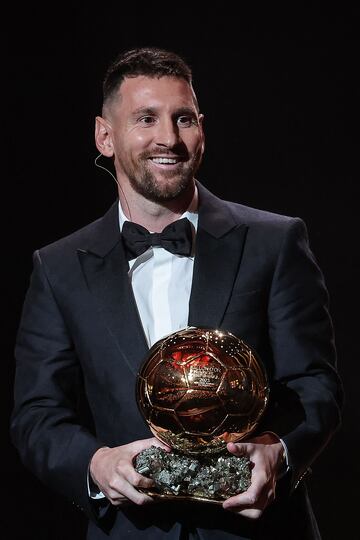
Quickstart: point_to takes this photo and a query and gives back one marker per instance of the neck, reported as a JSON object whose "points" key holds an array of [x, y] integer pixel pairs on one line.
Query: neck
{"points": [[155, 216]]}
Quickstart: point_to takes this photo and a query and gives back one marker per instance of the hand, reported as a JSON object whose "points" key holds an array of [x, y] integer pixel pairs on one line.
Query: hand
{"points": [[113, 472], [266, 454]]}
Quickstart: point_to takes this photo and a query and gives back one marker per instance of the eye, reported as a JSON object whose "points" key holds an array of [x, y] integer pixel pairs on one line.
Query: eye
{"points": [[148, 120], [186, 121]]}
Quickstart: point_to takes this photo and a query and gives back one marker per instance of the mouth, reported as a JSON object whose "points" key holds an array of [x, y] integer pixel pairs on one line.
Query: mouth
{"points": [[166, 162]]}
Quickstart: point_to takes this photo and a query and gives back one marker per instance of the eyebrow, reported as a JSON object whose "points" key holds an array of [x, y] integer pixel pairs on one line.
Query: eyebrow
{"points": [[153, 110]]}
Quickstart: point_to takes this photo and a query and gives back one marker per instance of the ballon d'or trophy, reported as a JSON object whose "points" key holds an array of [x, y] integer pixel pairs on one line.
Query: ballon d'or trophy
{"points": [[198, 390]]}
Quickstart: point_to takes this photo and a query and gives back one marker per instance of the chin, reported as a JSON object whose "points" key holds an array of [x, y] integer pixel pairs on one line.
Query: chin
{"points": [[161, 189], [172, 190]]}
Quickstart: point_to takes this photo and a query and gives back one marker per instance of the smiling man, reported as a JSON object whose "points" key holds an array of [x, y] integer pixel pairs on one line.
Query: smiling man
{"points": [[169, 254], [152, 128]]}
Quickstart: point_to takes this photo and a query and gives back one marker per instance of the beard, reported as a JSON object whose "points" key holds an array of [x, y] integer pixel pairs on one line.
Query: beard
{"points": [[171, 184]]}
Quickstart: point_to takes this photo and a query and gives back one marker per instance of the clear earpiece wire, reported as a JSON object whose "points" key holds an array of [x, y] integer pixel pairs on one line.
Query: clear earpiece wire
{"points": [[115, 180], [105, 169]]}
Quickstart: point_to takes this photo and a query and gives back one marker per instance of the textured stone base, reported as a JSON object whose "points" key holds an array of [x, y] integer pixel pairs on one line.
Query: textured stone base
{"points": [[204, 477]]}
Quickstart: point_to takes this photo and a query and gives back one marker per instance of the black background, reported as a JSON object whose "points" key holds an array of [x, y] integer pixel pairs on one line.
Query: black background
{"points": [[280, 95]]}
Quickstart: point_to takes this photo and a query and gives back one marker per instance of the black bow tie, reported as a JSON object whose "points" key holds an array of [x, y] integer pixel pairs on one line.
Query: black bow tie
{"points": [[176, 238]]}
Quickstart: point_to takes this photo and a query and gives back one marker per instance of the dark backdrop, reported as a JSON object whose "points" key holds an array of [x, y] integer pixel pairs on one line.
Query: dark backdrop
{"points": [[280, 95]]}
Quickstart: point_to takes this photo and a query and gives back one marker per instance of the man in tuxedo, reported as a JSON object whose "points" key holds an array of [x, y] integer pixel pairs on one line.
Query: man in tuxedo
{"points": [[169, 254]]}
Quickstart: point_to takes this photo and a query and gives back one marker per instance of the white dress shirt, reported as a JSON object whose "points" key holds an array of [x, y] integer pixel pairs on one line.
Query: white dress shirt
{"points": [[161, 282]]}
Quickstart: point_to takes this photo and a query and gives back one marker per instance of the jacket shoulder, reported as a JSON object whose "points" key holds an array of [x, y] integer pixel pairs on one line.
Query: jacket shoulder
{"points": [[103, 231], [234, 212], [256, 216], [71, 241]]}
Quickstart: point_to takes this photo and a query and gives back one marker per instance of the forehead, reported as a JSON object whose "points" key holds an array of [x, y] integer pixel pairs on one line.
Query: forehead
{"points": [[164, 92]]}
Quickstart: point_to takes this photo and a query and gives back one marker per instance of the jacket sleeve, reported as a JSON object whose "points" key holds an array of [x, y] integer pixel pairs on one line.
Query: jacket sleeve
{"points": [[45, 424], [305, 410]]}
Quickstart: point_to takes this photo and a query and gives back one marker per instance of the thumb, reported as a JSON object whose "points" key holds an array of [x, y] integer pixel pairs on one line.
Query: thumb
{"points": [[160, 444], [238, 449], [143, 444], [138, 446]]}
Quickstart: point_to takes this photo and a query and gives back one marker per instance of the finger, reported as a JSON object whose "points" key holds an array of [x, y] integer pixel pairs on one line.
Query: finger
{"points": [[250, 497], [136, 497], [243, 500], [121, 489], [252, 502], [138, 480], [128, 472], [120, 501], [240, 449], [256, 505], [249, 506], [251, 513]]}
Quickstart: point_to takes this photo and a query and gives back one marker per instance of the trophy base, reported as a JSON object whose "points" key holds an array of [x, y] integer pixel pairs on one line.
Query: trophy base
{"points": [[170, 497], [210, 479]]}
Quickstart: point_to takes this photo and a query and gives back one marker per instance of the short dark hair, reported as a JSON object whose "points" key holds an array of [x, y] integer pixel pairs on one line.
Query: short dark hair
{"points": [[149, 61]]}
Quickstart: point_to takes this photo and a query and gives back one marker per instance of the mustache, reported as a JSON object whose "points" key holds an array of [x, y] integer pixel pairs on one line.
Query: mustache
{"points": [[175, 153]]}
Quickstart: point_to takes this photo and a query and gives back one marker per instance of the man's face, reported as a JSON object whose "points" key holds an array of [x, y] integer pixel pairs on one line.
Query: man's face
{"points": [[157, 136]]}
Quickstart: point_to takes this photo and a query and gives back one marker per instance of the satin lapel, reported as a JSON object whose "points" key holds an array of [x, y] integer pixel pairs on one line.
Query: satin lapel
{"points": [[106, 274], [219, 246]]}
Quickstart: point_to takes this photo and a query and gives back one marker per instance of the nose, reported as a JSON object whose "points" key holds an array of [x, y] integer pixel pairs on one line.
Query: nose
{"points": [[167, 133]]}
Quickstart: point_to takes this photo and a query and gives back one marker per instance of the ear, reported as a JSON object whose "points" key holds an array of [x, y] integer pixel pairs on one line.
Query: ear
{"points": [[103, 139]]}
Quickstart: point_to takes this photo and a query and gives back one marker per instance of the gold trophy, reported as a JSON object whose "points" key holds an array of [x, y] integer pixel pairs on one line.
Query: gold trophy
{"points": [[198, 390]]}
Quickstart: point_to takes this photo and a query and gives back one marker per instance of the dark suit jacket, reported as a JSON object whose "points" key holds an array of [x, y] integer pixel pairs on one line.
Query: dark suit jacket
{"points": [[80, 344]]}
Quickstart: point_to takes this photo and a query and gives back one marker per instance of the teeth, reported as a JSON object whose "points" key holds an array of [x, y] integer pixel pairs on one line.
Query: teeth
{"points": [[164, 160]]}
